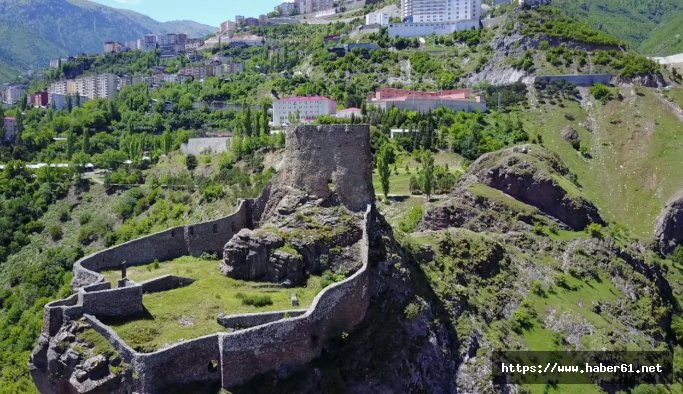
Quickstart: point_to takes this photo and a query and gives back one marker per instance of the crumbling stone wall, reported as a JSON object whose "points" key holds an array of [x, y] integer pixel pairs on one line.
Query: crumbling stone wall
{"points": [[122, 301], [326, 162], [247, 320], [179, 241], [298, 340], [165, 283]]}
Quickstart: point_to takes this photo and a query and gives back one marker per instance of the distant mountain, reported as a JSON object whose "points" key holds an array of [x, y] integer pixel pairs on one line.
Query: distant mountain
{"points": [[651, 27], [34, 31]]}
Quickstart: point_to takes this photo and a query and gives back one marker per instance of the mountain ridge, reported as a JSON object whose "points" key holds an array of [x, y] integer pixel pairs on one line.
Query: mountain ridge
{"points": [[67, 27]]}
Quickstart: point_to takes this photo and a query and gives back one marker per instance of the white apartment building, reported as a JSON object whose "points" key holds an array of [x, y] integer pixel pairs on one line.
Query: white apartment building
{"points": [[432, 11], [377, 18], [305, 108]]}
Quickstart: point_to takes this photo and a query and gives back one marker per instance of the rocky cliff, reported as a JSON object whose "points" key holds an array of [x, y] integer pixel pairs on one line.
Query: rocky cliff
{"points": [[669, 227]]}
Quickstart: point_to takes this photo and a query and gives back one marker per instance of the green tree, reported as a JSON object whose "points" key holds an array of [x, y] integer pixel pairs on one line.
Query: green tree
{"points": [[427, 172], [86, 141], [191, 162], [70, 145], [383, 168]]}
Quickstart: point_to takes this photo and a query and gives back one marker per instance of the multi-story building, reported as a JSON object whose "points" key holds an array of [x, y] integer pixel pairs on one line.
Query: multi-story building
{"points": [[302, 108], [288, 8], [411, 100], [13, 93], [9, 128], [377, 18], [239, 20], [38, 100], [92, 87], [113, 46], [150, 42], [431, 11], [311, 6], [228, 27]]}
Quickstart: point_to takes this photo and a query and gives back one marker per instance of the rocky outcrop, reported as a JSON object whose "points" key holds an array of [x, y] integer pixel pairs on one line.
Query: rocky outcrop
{"points": [[536, 177], [309, 221], [289, 248], [669, 227], [71, 363]]}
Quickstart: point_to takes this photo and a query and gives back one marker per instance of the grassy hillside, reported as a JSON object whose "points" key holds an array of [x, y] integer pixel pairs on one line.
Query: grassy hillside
{"points": [[648, 26], [631, 164], [33, 32]]}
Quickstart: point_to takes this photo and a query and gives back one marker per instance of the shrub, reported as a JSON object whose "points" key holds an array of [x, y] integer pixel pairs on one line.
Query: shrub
{"points": [[563, 281], [56, 232], [523, 318], [677, 256], [413, 310], [595, 230], [601, 92], [409, 224], [257, 300], [537, 288], [191, 162]]}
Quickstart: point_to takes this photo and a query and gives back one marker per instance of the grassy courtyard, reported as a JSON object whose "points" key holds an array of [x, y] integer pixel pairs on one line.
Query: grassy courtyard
{"points": [[190, 312]]}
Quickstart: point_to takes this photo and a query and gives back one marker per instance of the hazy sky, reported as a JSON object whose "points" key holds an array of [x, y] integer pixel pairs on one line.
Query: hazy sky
{"points": [[210, 12]]}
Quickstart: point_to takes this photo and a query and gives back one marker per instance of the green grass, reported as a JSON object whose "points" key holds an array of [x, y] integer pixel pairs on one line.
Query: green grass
{"points": [[636, 166], [676, 95], [100, 345], [191, 311], [496, 195]]}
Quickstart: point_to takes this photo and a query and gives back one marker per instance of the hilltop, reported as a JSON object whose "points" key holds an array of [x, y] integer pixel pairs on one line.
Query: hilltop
{"points": [[36, 31]]}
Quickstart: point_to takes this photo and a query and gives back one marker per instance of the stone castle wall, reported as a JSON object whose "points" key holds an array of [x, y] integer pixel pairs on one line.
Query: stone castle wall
{"points": [[236, 357], [166, 245]]}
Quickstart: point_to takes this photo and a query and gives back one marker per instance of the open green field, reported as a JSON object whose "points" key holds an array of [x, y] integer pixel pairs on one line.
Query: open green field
{"points": [[190, 312], [635, 144], [406, 166]]}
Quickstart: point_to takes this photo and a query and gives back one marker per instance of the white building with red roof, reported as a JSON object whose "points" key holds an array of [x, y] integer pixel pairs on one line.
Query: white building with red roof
{"points": [[411, 100], [304, 109]]}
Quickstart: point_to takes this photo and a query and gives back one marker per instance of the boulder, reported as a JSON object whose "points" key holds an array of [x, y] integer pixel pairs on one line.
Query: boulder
{"points": [[570, 134], [669, 227]]}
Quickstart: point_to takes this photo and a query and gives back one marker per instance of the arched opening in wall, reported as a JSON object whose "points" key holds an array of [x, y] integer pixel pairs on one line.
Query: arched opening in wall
{"points": [[172, 233], [314, 341], [191, 230], [215, 228], [213, 366]]}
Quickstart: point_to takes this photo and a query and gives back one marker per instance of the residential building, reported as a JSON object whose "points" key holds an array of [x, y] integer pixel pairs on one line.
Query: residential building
{"points": [[60, 101], [92, 87], [38, 100], [239, 20], [377, 18], [311, 6], [9, 129], [13, 93], [113, 46], [432, 11], [411, 100], [150, 42], [303, 109], [288, 8], [228, 27], [533, 3]]}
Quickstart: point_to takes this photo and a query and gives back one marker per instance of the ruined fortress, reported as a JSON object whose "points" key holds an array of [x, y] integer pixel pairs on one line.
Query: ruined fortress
{"points": [[329, 165]]}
